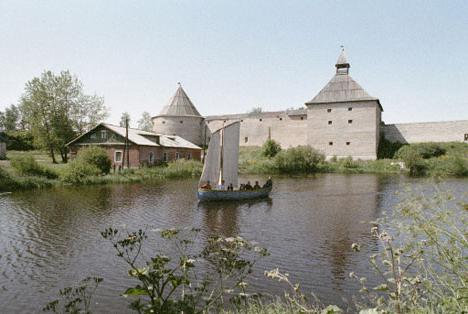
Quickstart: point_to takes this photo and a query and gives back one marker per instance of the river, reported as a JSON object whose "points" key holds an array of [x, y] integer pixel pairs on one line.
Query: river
{"points": [[50, 238]]}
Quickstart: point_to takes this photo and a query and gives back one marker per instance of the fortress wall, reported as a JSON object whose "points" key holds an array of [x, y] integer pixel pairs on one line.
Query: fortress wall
{"points": [[287, 130], [357, 139], [187, 127], [446, 131]]}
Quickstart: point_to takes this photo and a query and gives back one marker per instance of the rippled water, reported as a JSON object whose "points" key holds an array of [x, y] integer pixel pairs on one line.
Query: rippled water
{"points": [[50, 239]]}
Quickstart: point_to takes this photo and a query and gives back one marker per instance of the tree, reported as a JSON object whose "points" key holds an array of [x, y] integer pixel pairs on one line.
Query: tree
{"points": [[256, 111], [124, 119], [145, 123], [56, 109], [10, 119]]}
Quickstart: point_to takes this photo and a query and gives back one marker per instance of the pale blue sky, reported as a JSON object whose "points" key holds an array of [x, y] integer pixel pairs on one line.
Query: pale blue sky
{"points": [[234, 55]]}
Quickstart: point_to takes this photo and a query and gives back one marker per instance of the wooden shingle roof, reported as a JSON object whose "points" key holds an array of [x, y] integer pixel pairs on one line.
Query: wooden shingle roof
{"points": [[179, 105]]}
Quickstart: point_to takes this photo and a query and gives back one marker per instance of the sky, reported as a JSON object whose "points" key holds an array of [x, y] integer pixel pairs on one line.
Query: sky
{"points": [[232, 56]]}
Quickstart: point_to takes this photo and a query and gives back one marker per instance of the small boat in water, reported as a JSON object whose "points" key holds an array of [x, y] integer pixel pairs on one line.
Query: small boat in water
{"points": [[221, 166]]}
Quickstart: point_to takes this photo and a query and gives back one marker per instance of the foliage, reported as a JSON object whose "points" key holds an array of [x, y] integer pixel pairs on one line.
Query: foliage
{"points": [[78, 171], [170, 285], [145, 123], [255, 111], [19, 140], [423, 264], [182, 168], [28, 166], [271, 148], [125, 119], [387, 149], [10, 119], [75, 300], [423, 150], [301, 159], [55, 109], [95, 156], [10, 183]]}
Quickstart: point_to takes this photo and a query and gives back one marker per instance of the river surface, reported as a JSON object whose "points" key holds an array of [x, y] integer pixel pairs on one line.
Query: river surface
{"points": [[50, 239]]}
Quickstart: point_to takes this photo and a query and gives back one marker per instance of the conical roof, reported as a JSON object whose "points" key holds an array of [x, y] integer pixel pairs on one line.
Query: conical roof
{"points": [[179, 105], [342, 87]]}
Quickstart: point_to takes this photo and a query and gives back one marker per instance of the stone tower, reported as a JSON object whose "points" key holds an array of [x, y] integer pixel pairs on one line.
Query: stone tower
{"points": [[180, 117], [343, 119]]}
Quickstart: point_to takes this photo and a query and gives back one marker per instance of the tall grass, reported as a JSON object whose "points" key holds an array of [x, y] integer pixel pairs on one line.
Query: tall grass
{"points": [[27, 166]]}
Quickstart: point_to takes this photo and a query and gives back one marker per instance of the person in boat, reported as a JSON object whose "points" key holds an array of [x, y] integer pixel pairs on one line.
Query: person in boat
{"points": [[206, 186], [248, 186], [221, 186], [242, 187], [230, 187], [268, 183], [256, 186]]}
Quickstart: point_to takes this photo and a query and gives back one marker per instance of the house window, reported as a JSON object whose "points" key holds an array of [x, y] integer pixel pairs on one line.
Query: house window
{"points": [[93, 136], [104, 134], [151, 158], [189, 156], [330, 143], [246, 139], [177, 155], [350, 109], [164, 156], [328, 110], [118, 156], [348, 143], [350, 121], [330, 122]]}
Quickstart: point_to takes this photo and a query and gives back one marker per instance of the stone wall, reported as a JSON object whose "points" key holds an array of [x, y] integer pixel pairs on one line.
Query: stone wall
{"points": [[446, 131], [344, 129], [289, 130]]}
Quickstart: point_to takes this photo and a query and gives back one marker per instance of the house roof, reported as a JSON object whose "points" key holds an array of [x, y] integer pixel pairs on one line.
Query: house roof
{"points": [[342, 87], [179, 105], [137, 137]]}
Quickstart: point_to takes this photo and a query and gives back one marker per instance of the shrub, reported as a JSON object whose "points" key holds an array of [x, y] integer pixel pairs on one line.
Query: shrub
{"points": [[183, 169], [415, 164], [27, 165], [97, 157], [78, 171], [387, 149], [270, 148], [19, 140], [424, 150], [298, 159], [449, 166], [7, 183]]}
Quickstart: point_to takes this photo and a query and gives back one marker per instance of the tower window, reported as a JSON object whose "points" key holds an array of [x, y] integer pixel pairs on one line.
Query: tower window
{"points": [[350, 121], [260, 120], [246, 139], [330, 122], [350, 108], [330, 143], [281, 119], [328, 110], [224, 121], [181, 121], [242, 120], [348, 143], [164, 122], [302, 118]]}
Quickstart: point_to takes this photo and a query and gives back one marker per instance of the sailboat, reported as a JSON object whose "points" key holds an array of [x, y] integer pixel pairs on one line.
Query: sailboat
{"points": [[222, 165]]}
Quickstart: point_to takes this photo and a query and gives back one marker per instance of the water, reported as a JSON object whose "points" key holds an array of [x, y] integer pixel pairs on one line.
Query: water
{"points": [[50, 239]]}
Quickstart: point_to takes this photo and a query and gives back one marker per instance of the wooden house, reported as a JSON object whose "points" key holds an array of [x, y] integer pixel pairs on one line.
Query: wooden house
{"points": [[144, 148]]}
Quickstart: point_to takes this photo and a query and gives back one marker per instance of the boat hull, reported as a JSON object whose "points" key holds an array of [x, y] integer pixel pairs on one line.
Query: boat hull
{"points": [[214, 195]]}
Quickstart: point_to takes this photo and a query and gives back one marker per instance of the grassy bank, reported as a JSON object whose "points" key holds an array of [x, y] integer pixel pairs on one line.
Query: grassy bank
{"points": [[34, 170], [425, 159]]}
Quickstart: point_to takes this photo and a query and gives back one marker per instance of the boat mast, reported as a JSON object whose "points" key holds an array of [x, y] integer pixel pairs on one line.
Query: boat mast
{"points": [[221, 156]]}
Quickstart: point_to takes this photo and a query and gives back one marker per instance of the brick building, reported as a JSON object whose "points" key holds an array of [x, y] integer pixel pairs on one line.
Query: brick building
{"points": [[145, 148]]}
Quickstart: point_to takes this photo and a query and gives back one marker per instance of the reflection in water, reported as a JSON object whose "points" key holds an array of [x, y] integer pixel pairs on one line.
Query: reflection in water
{"points": [[50, 239]]}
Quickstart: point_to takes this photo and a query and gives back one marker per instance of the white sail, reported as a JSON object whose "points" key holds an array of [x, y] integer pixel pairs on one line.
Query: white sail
{"points": [[211, 168], [230, 152]]}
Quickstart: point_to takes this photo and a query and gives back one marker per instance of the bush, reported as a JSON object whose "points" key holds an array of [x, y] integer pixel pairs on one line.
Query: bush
{"points": [[449, 166], [424, 150], [387, 149], [183, 169], [270, 148], [303, 159], [415, 164], [97, 157], [19, 140], [28, 166], [78, 171]]}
